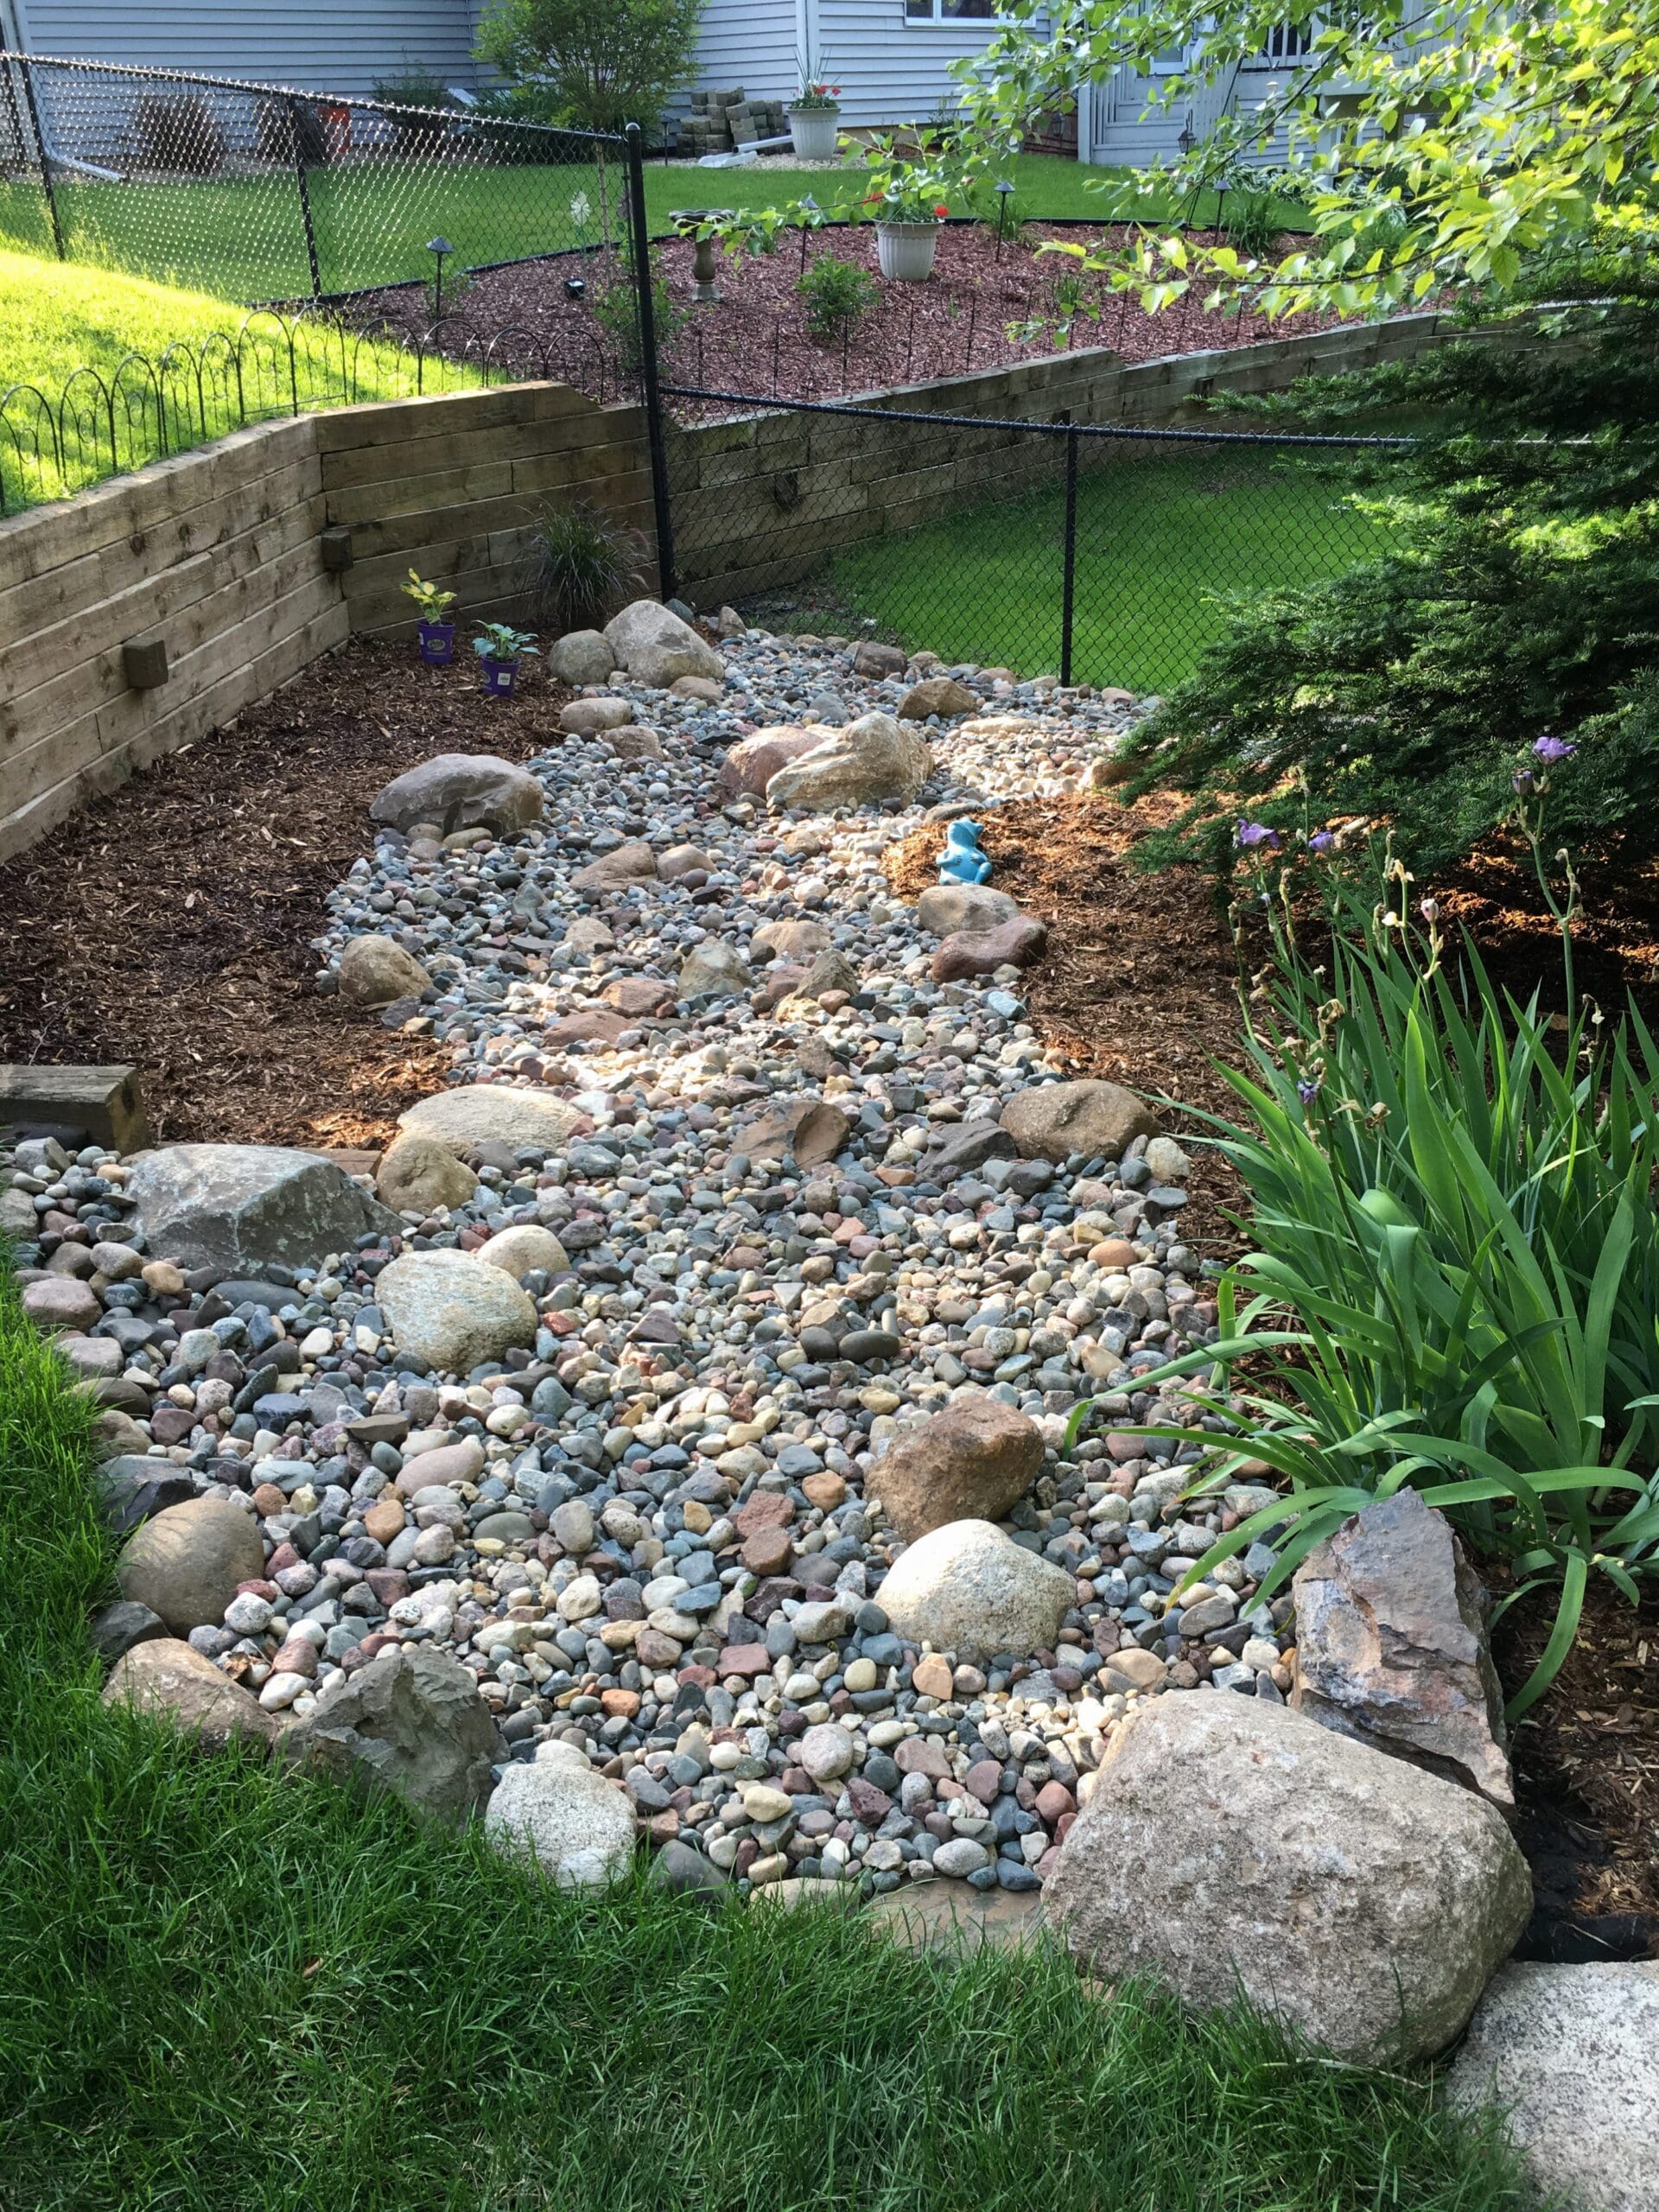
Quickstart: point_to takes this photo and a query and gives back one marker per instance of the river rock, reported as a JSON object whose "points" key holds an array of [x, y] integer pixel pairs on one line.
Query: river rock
{"points": [[417, 1174], [968, 1588], [239, 1207], [791, 940], [871, 657], [525, 1246], [172, 1680], [1572, 2054], [185, 1563], [461, 791], [969, 1462], [61, 1302], [873, 759], [581, 656], [937, 695], [655, 646], [452, 1311], [1229, 1839], [809, 1131], [948, 907], [633, 741], [492, 1113], [1054, 1120], [587, 717], [375, 970], [713, 966], [620, 869], [1391, 1644], [575, 1825], [412, 1721], [1015, 943]]}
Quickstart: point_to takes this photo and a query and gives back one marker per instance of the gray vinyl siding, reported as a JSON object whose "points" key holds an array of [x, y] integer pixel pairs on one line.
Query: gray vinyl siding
{"points": [[747, 42], [322, 46], [890, 69]]}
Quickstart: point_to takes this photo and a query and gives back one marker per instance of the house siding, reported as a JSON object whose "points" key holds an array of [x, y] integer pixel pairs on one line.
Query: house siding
{"points": [[747, 42], [340, 47]]}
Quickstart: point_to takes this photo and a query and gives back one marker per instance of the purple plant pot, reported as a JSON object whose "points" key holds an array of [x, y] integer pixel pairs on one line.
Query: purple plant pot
{"points": [[499, 677], [437, 642]]}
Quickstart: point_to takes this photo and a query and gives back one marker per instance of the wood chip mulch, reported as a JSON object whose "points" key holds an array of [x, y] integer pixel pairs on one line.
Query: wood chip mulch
{"points": [[170, 924], [1137, 983]]}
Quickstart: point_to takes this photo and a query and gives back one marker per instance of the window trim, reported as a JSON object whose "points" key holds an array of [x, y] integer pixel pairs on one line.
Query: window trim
{"points": [[936, 21]]}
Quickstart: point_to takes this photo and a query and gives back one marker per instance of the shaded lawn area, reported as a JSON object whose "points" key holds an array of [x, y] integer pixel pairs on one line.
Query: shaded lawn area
{"points": [[1165, 535], [244, 238], [226, 1989]]}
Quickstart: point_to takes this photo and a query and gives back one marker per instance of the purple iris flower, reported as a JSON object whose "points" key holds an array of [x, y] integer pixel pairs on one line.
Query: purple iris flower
{"points": [[1306, 1092], [1553, 748], [1522, 783], [1322, 840], [1251, 834]]}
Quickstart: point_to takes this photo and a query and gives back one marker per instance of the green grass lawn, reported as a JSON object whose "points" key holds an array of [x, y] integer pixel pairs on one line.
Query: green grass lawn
{"points": [[1165, 534], [244, 238], [55, 319], [225, 1988]]}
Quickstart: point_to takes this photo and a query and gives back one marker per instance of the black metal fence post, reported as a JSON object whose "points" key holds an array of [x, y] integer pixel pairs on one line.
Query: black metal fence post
{"points": [[1069, 585], [45, 165], [296, 135], [651, 390]]}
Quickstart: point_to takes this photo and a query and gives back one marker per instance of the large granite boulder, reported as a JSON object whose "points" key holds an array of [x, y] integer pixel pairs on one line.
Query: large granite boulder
{"points": [[173, 1681], [1391, 1645], [185, 1564], [1051, 1121], [239, 1207], [655, 646], [525, 1246], [452, 1311], [1228, 1842], [581, 656], [968, 1588], [374, 970], [1572, 2054], [873, 759], [970, 1462], [412, 1721], [461, 791], [569, 1821], [492, 1113]]}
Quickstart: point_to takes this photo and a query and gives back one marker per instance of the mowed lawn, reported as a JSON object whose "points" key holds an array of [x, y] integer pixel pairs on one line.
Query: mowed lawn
{"points": [[137, 397], [228, 1987], [244, 238], [1165, 535]]}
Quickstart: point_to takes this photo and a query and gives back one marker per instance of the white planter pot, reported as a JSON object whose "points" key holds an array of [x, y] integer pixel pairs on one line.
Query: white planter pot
{"points": [[905, 250], [813, 130]]}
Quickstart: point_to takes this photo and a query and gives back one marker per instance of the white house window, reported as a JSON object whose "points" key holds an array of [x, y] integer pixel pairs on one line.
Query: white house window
{"points": [[951, 11], [1288, 42]]}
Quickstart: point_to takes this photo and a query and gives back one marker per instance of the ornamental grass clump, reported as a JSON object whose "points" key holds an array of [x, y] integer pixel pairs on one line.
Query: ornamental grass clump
{"points": [[1454, 1278]]}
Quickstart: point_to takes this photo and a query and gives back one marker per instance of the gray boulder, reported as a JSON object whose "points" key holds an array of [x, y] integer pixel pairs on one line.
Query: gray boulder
{"points": [[569, 1821], [948, 907], [461, 791], [174, 1682], [1391, 1645], [492, 1113], [620, 869], [186, 1563], [582, 657], [970, 1462], [655, 646], [1228, 1842], [374, 970], [525, 1246], [416, 1173], [1053, 1119], [412, 1721], [239, 1207], [1572, 2053], [871, 759], [713, 966], [968, 1588], [452, 1311]]}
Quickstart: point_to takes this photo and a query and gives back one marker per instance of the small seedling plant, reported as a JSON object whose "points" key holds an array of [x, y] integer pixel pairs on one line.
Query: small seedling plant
{"points": [[499, 641], [431, 603]]}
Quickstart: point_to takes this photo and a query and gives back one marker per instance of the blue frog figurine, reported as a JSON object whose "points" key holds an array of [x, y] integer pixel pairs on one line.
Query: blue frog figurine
{"points": [[962, 862]]}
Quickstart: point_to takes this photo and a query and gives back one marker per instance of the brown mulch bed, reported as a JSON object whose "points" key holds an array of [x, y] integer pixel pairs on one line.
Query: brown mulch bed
{"points": [[1137, 982], [755, 340], [1586, 1773], [170, 924]]}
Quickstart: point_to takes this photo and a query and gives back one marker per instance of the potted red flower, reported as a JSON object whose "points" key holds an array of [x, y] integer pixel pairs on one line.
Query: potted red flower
{"points": [[812, 115]]}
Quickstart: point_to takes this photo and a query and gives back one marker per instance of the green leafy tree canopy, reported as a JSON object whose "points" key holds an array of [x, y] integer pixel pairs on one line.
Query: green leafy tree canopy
{"points": [[604, 62]]}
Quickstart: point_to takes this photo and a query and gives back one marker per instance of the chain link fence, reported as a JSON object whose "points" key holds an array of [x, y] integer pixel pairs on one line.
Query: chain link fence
{"points": [[264, 196], [1100, 554]]}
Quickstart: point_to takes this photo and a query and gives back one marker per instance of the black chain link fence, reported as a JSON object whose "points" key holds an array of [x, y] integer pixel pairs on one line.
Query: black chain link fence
{"points": [[1103, 555], [263, 195]]}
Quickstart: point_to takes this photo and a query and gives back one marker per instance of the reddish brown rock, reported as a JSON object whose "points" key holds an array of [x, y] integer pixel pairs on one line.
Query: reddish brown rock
{"points": [[970, 1462], [826, 1491], [591, 1026], [751, 766], [744, 1660], [809, 1131], [931, 1677], [1016, 944], [767, 1551], [768, 1508], [633, 741], [937, 695], [636, 994]]}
